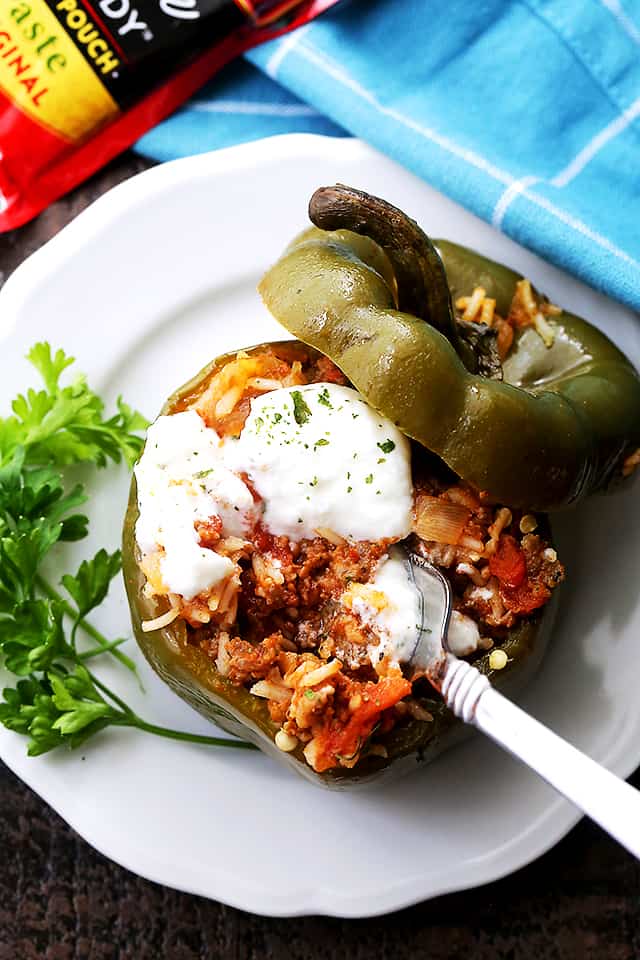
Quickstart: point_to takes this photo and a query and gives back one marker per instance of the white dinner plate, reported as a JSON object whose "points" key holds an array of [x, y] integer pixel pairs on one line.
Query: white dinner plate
{"points": [[148, 284]]}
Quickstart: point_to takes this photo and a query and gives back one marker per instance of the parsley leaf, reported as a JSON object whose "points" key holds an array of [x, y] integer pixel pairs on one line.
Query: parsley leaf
{"points": [[32, 637], [301, 411], [78, 701], [65, 424], [387, 446], [90, 584]]}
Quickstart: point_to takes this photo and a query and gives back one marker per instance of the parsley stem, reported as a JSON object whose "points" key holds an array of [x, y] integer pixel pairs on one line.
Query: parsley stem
{"points": [[90, 630], [189, 737], [112, 696], [131, 719], [96, 651]]}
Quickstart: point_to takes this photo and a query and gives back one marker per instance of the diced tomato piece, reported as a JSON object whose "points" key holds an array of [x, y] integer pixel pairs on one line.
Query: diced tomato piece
{"points": [[526, 598], [508, 563], [209, 531], [278, 547], [345, 740]]}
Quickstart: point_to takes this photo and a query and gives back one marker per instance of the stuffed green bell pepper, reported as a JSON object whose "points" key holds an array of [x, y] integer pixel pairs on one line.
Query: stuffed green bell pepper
{"points": [[261, 556], [555, 418]]}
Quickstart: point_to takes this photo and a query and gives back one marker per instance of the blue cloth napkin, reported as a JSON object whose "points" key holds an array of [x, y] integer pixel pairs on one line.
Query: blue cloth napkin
{"points": [[527, 112]]}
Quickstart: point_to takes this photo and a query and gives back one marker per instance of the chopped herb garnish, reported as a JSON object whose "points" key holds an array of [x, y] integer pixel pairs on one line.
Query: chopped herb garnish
{"points": [[382, 459], [369, 479], [387, 446], [314, 482], [203, 473], [321, 442], [349, 489], [310, 694], [259, 422], [323, 398], [301, 412], [277, 417]]}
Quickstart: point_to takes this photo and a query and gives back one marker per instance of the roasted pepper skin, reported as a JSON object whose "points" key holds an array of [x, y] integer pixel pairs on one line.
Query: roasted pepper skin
{"points": [[554, 430], [193, 675]]}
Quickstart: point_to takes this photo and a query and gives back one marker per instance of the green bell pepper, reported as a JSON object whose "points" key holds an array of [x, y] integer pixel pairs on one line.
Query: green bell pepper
{"points": [[192, 674], [366, 287]]}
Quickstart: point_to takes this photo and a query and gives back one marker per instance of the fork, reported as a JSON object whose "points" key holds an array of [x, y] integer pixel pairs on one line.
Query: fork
{"points": [[608, 800]]}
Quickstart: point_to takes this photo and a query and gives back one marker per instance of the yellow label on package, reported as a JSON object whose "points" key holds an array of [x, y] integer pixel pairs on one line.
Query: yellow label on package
{"points": [[45, 74]]}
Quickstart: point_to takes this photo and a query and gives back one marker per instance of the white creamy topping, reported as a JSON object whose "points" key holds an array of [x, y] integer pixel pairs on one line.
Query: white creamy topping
{"points": [[320, 456], [181, 479], [463, 635], [389, 604]]}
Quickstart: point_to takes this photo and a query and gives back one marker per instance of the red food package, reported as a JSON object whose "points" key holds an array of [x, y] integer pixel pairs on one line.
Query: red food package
{"points": [[80, 80]]}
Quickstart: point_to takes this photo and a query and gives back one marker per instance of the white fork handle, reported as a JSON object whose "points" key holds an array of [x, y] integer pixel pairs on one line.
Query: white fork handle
{"points": [[612, 803]]}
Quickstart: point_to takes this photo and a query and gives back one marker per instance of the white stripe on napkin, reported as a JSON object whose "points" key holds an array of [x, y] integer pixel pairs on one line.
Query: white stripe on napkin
{"points": [[627, 24], [509, 195], [285, 46], [580, 227], [596, 144], [254, 108]]}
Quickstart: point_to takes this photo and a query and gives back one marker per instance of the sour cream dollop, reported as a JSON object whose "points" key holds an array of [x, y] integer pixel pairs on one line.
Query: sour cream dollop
{"points": [[182, 478], [389, 605], [321, 457]]}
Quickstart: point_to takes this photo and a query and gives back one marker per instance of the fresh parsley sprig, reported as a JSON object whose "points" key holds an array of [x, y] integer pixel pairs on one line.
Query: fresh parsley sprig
{"points": [[58, 700]]}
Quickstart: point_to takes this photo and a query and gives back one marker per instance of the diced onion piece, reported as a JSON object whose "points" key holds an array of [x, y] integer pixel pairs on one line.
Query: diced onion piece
{"points": [[440, 520], [162, 621]]}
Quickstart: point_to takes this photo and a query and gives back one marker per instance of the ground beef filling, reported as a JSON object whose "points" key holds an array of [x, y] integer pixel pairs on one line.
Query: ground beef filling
{"points": [[279, 628]]}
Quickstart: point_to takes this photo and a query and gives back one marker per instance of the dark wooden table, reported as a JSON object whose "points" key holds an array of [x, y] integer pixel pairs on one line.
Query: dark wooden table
{"points": [[60, 900]]}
